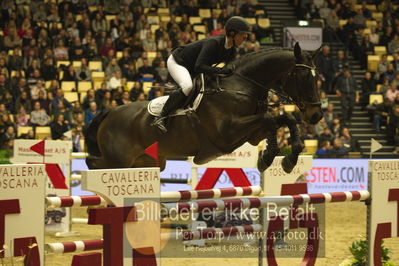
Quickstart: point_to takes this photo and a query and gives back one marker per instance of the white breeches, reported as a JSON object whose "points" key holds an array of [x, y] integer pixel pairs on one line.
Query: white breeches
{"points": [[180, 74]]}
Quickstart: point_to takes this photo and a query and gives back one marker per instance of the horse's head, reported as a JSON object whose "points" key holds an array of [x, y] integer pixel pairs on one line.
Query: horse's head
{"points": [[301, 85]]}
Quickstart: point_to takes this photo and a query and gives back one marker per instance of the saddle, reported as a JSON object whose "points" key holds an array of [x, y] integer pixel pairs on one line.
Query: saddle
{"points": [[193, 100]]}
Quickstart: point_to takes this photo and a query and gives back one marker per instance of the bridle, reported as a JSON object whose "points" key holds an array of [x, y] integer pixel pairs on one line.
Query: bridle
{"points": [[302, 103], [283, 95]]}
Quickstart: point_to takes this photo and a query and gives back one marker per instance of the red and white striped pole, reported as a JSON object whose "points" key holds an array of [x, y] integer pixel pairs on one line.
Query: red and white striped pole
{"points": [[95, 200], [262, 202], [74, 246]]}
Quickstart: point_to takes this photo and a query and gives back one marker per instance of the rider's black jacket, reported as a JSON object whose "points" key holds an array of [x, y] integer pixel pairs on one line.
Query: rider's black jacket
{"points": [[198, 57]]}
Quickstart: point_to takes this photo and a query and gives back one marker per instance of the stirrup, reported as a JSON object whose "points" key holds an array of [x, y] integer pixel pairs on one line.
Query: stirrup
{"points": [[159, 122]]}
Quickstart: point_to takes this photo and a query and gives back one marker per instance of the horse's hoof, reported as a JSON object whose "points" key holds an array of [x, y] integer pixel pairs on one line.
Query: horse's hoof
{"points": [[287, 165]]}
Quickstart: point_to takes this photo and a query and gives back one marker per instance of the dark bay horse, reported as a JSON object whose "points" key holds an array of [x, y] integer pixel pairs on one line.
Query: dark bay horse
{"points": [[225, 119]]}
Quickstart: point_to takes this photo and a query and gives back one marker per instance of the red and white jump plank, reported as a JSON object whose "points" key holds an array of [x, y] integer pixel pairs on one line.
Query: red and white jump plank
{"points": [[262, 202], [69, 201], [210, 193], [223, 233], [74, 246], [95, 200]]}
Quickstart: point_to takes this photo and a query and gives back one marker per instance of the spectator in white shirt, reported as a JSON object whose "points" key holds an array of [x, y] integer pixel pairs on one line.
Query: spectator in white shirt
{"points": [[116, 80]]}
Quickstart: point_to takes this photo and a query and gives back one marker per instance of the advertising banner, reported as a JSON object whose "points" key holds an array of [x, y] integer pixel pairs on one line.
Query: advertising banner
{"points": [[55, 151], [326, 175], [309, 38], [56, 159], [332, 175]]}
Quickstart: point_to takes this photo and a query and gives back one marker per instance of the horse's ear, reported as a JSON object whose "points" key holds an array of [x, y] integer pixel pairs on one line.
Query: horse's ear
{"points": [[297, 51], [317, 52]]}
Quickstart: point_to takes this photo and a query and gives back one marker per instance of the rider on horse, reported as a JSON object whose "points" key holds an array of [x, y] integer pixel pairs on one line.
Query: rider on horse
{"points": [[198, 57]]}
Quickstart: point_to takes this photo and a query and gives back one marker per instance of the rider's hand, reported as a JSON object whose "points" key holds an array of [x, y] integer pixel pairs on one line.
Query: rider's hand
{"points": [[225, 71]]}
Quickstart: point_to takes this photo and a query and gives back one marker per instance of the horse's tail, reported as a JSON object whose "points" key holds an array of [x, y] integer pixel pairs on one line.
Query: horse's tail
{"points": [[91, 134]]}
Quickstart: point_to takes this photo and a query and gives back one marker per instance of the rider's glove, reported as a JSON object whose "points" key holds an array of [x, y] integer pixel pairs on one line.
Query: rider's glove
{"points": [[225, 71]]}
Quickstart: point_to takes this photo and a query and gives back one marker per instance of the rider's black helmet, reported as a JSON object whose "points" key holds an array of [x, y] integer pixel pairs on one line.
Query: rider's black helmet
{"points": [[237, 24]]}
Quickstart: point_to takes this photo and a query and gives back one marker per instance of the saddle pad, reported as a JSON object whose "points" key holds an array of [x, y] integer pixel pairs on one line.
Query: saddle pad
{"points": [[155, 106]]}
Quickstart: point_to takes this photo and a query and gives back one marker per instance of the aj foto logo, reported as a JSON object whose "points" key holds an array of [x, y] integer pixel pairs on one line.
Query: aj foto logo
{"points": [[272, 211]]}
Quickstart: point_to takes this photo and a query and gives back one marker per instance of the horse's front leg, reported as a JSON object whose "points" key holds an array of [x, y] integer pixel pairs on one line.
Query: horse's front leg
{"points": [[291, 159], [267, 156]]}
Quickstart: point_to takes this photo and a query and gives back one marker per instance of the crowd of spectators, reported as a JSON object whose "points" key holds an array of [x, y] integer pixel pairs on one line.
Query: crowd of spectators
{"points": [[45, 43], [360, 26]]}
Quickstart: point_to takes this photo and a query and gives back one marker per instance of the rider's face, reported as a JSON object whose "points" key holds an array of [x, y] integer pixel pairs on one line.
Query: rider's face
{"points": [[240, 37]]}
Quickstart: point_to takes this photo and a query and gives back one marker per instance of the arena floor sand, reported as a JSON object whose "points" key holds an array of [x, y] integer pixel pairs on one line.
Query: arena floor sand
{"points": [[346, 222]]}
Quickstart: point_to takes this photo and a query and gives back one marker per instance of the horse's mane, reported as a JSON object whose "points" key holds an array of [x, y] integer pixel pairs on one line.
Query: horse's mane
{"points": [[255, 57]]}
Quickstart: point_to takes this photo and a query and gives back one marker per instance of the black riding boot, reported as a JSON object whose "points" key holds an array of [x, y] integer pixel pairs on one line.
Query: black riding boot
{"points": [[175, 101]]}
